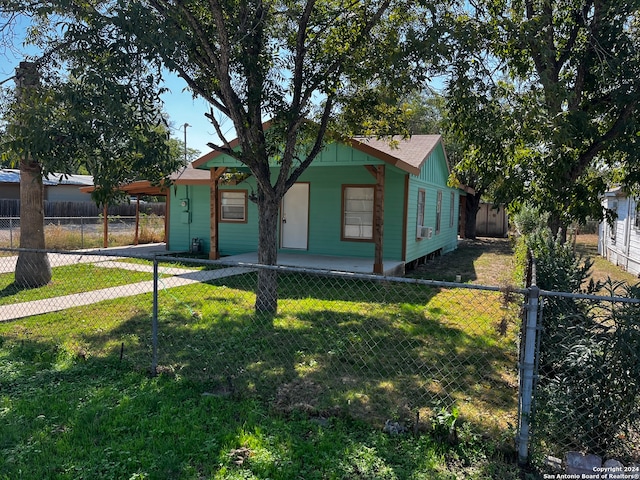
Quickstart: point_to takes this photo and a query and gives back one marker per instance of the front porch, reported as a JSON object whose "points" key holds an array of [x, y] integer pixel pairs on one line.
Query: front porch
{"points": [[324, 262]]}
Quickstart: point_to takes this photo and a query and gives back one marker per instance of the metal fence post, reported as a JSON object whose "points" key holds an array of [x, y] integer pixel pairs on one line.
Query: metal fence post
{"points": [[154, 320], [527, 368]]}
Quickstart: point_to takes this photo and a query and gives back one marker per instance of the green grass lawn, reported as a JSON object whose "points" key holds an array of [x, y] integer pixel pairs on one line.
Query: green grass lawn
{"points": [[303, 394], [68, 279]]}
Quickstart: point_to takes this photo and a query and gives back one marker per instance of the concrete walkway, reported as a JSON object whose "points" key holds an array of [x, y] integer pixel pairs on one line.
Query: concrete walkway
{"points": [[179, 277]]}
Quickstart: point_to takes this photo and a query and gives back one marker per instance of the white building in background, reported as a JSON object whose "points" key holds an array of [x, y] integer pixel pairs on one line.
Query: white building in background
{"points": [[620, 242]]}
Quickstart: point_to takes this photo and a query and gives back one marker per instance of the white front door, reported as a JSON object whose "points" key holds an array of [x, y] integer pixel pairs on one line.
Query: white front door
{"points": [[294, 217]]}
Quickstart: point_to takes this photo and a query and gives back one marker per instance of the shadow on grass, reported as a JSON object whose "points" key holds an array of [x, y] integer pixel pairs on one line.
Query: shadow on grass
{"points": [[369, 360], [83, 399], [12, 289], [461, 261], [301, 389]]}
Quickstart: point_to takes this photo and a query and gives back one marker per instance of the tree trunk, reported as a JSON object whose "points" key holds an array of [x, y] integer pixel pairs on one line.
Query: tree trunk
{"points": [[267, 292], [33, 268], [557, 227], [472, 206]]}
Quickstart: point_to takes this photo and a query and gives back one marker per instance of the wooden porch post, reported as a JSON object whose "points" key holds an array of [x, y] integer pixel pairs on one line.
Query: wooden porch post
{"points": [[378, 217], [215, 174]]}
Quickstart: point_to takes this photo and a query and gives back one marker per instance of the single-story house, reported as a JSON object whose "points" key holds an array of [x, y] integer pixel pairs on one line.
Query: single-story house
{"points": [[57, 187], [337, 207], [187, 177], [620, 242]]}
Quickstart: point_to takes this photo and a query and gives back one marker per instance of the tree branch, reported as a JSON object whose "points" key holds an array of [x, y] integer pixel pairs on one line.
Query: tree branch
{"points": [[601, 143]]}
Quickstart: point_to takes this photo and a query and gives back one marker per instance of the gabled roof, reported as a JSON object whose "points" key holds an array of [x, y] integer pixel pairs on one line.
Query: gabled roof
{"points": [[408, 154]]}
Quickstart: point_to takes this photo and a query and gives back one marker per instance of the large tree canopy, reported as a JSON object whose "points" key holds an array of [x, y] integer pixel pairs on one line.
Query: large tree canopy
{"points": [[74, 108], [545, 95], [280, 60]]}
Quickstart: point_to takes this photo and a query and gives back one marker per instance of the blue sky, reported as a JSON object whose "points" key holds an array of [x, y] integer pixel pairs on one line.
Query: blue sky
{"points": [[183, 108], [178, 103]]}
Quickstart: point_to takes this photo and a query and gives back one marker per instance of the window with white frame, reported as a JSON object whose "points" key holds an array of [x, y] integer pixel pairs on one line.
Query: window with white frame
{"points": [[438, 211], [233, 205], [422, 200], [357, 212]]}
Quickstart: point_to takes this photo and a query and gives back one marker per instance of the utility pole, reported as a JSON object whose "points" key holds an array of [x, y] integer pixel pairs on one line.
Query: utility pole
{"points": [[185, 142]]}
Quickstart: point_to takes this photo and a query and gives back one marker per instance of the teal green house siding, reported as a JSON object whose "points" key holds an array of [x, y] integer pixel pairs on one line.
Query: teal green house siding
{"points": [[433, 179], [337, 166]]}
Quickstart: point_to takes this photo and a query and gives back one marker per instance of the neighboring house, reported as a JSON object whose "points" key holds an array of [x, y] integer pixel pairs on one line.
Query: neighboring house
{"points": [[620, 242], [331, 210], [57, 187], [66, 188]]}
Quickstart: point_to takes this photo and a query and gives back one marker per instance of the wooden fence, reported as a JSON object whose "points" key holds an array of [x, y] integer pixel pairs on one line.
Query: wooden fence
{"points": [[11, 208]]}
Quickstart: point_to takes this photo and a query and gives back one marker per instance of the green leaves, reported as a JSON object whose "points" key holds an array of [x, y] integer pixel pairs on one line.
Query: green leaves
{"points": [[552, 105]]}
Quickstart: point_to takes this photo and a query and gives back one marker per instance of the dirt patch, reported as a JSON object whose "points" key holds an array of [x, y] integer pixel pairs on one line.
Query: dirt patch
{"points": [[302, 395], [484, 261]]}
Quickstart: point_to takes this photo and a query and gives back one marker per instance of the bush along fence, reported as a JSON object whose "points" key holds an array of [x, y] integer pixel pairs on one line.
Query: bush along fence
{"points": [[586, 363], [406, 355], [586, 367]]}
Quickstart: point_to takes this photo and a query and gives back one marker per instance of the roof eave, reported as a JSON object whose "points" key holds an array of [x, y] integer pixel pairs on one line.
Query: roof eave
{"points": [[385, 157]]}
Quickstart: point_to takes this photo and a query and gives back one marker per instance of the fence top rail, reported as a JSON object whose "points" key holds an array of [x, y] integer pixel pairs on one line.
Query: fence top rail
{"points": [[366, 276], [163, 257], [584, 296]]}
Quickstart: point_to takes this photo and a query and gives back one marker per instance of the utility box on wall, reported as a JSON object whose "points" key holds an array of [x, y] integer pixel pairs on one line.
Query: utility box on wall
{"points": [[185, 215]]}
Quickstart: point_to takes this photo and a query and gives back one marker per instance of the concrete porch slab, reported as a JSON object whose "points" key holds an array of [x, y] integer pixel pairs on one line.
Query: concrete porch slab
{"points": [[323, 262]]}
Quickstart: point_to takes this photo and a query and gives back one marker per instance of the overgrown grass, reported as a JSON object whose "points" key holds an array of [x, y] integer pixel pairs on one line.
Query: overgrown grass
{"points": [[302, 394], [602, 268], [70, 237]]}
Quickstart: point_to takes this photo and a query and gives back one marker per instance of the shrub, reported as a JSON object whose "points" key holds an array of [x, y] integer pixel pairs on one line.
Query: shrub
{"points": [[588, 394]]}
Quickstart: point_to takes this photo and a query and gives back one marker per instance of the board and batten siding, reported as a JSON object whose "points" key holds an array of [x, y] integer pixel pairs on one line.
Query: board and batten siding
{"points": [[235, 238], [325, 215], [325, 211], [336, 166], [432, 179], [187, 223]]}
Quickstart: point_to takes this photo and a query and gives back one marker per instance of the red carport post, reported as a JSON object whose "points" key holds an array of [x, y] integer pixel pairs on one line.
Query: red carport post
{"points": [[105, 228]]}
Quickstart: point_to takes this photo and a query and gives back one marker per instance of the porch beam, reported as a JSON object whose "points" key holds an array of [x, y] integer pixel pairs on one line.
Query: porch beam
{"points": [[214, 178], [372, 170], [378, 221]]}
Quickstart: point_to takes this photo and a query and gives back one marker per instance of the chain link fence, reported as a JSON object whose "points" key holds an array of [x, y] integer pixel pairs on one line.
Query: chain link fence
{"points": [[374, 348], [411, 354], [87, 232], [588, 389]]}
